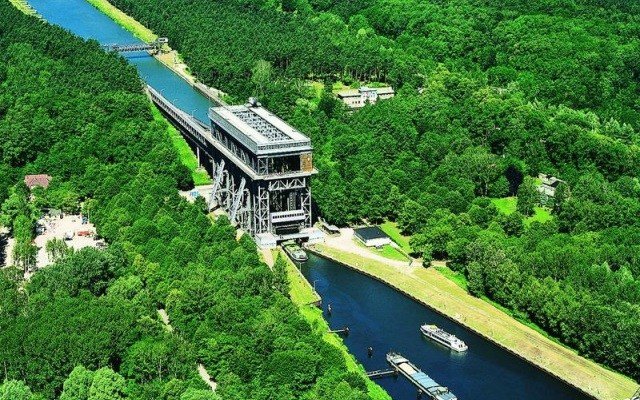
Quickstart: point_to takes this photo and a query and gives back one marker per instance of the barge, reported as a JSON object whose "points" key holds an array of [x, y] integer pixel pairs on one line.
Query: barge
{"points": [[294, 251], [422, 381], [434, 333]]}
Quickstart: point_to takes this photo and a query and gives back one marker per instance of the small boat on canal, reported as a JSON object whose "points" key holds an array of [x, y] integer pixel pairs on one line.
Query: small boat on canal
{"points": [[294, 251], [436, 334], [424, 383]]}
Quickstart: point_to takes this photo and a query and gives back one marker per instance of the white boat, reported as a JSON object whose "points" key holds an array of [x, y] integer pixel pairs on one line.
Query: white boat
{"points": [[295, 252], [442, 337]]}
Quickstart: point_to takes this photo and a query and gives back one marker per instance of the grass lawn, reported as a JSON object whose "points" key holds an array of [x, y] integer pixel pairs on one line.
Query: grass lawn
{"points": [[301, 295], [130, 24], [200, 176], [391, 252], [540, 215], [391, 229], [23, 6], [456, 277], [507, 205], [299, 288]]}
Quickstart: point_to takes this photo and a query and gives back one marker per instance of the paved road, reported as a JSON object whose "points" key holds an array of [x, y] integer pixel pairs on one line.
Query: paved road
{"points": [[345, 242]]}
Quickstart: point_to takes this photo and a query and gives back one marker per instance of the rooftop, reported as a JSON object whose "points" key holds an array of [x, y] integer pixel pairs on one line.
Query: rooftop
{"points": [[370, 232], [37, 180], [362, 89], [258, 128]]}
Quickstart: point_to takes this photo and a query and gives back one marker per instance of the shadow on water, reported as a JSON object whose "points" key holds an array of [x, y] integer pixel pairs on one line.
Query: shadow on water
{"points": [[386, 320]]}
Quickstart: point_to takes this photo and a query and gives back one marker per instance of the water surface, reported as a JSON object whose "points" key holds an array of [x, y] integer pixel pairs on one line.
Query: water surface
{"points": [[377, 315], [380, 317]]}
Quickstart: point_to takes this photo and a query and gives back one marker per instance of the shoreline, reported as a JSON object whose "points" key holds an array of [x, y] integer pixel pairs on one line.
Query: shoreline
{"points": [[169, 58], [603, 389], [305, 299]]}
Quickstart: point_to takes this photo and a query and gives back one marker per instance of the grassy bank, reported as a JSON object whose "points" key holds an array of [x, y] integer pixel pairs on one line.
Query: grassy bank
{"points": [[140, 31], [200, 176], [448, 297], [302, 294], [23, 6]]}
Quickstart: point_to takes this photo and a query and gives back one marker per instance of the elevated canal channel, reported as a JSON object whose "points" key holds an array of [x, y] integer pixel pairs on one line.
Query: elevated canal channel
{"points": [[377, 315]]}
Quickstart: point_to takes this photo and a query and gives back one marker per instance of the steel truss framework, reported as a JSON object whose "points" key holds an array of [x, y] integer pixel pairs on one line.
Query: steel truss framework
{"points": [[250, 210]]}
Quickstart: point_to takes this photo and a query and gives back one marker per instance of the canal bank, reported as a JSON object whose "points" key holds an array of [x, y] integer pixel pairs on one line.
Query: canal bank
{"points": [[304, 296], [429, 288], [169, 58]]}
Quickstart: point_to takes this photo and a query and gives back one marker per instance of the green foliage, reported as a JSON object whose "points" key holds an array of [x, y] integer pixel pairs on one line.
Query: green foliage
{"points": [[57, 249], [78, 114], [15, 390], [107, 385], [199, 394], [280, 279], [528, 196], [76, 386]]}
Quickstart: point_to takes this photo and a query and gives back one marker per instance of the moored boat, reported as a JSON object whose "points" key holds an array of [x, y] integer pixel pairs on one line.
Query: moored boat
{"points": [[442, 337], [294, 251], [424, 383]]}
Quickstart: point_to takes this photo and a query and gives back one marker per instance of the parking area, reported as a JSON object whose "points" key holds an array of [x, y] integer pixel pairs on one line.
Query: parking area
{"points": [[70, 228]]}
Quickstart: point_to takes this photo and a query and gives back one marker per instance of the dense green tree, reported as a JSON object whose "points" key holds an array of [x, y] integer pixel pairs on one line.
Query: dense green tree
{"points": [[107, 385], [15, 390], [76, 386], [528, 196]]}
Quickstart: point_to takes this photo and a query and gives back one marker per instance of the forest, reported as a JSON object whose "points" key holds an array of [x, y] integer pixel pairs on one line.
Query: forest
{"points": [[489, 95], [87, 327]]}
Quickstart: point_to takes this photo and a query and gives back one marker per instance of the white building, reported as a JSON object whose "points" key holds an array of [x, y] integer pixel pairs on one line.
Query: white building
{"points": [[358, 98], [372, 236]]}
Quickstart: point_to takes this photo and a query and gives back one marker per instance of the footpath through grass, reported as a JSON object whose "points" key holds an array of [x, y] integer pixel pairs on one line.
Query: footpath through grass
{"points": [[432, 288], [127, 22], [302, 294], [200, 176]]}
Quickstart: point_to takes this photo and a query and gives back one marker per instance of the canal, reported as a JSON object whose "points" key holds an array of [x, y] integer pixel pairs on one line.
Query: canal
{"points": [[380, 317], [377, 315], [84, 20]]}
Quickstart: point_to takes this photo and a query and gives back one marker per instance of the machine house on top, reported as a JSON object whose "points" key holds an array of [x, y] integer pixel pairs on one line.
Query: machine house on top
{"points": [[262, 179]]}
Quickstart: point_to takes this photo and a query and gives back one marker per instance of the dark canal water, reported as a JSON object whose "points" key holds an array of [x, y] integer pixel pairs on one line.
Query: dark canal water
{"points": [[380, 317], [377, 315]]}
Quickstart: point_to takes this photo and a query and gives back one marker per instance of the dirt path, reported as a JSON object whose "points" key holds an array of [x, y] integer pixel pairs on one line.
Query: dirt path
{"points": [[165, 319], [206, 378], [345, 242], [431, 288], [267, 257], [202, 371]]}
